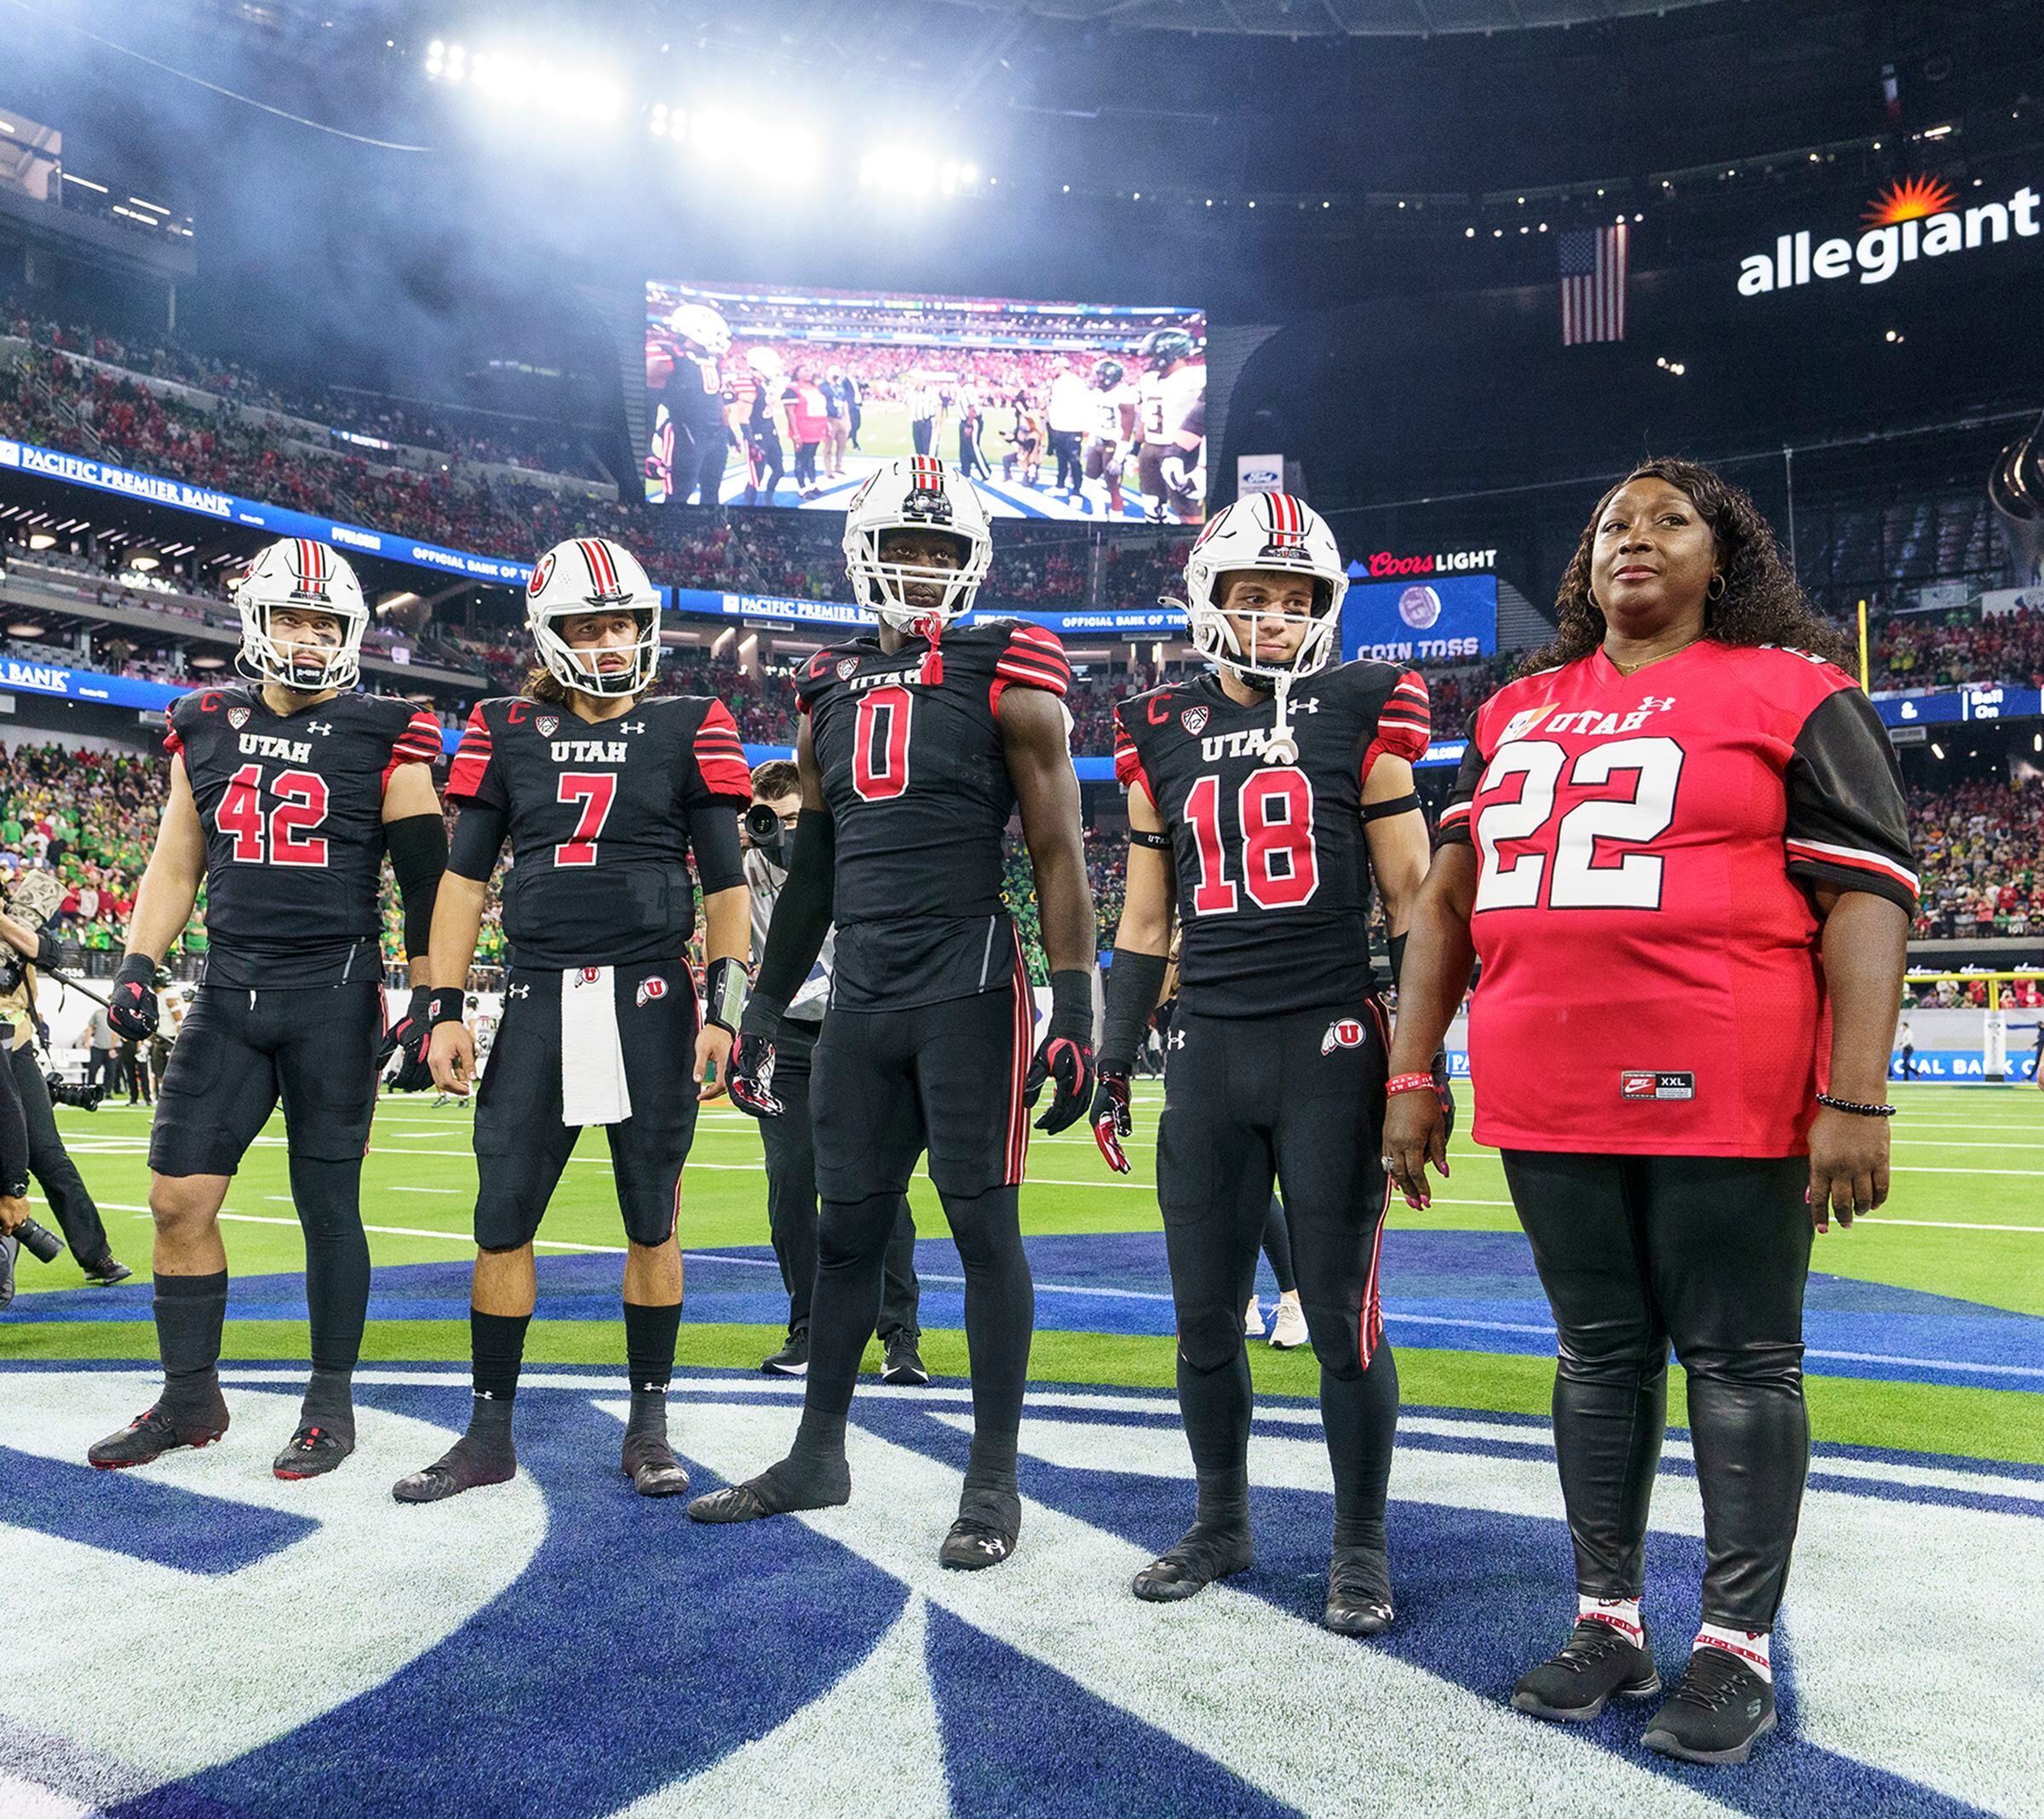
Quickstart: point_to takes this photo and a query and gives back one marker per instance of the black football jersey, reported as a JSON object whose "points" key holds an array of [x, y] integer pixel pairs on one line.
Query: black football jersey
{"points": [[292, 805], [1273, 869], [916, 778], [600, 816]]}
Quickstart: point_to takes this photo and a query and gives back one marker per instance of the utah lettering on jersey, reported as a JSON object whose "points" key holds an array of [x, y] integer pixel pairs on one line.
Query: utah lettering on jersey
{"points": [[1272, 861]]}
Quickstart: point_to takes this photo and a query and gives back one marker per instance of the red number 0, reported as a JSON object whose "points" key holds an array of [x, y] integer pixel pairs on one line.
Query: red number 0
{"points": [[595, 790], [880, 743], [1281, 868], [301, 806]]}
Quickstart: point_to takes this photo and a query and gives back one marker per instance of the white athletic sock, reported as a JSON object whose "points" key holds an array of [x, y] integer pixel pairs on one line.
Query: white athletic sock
{"points": [[1289, 1298], [1750, 1646], [1621, 1614]]}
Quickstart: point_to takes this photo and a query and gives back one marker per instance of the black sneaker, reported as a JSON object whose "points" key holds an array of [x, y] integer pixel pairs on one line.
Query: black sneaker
{"points": [[312, 1452], [1713, 1715], [902, 1363], [1596, 1664], [158, 1431], [792, 1360], [1358, 1591], [972, 1547], [107, 1271]]}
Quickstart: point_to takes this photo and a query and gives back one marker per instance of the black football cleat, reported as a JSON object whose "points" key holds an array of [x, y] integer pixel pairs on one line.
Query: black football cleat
{"points": [[650, 1463], [1358, 1591], [461, 1467], [158, 1431], [734, 1503], [1719, 1708], [312, 1452], [902, 1364], [1201, 1556], [108, 1271], [1596, 1665], [792, 1360], [972, 1547]]}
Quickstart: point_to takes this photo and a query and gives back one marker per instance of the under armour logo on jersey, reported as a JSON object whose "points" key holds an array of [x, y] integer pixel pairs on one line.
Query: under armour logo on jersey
{"points": [[1310, 705], [517, 991], [318, 727], [633, 727], [1175, 1040], [238, 718], [1656, 703]]}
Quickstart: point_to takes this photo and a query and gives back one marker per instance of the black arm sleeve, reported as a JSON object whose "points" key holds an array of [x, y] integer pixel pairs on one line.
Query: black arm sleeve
{"points": [[478, 838], [802, 914], [46, 955], [1134, 983], [13, 1128], [1847, 827], [1453, 828], [712, 836], [417, 847]]}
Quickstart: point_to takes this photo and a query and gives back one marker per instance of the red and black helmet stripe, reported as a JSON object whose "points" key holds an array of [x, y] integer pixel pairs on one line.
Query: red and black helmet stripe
{"points": [[1286, 518], [603, 573], [314, 571]]}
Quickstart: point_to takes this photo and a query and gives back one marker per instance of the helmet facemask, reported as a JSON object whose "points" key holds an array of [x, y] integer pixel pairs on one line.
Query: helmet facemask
{"points": [[300, 575], [578, 669]]}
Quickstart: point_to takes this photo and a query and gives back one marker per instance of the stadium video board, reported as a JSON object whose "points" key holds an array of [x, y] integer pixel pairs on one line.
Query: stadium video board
{"points": [[1447, 619], [761, 395]]}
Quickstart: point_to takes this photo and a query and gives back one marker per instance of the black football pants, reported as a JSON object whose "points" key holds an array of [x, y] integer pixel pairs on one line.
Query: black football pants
{"points": [[1710, 1253], [790, 1142]]}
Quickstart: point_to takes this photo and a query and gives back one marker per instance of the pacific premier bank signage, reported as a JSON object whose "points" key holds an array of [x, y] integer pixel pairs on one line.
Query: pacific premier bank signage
{"points": [[1920, 218]]}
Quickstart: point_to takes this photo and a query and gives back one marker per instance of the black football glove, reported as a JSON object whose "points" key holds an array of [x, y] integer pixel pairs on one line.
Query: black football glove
{"points": [[1443, 1090], [750, 1081], [131, 1004], [1064, 1058], [1111, 1119], [411, 1037]]}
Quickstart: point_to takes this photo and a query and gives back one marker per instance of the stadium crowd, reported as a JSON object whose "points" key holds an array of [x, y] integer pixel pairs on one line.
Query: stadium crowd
{"points": [[1959, 650], [1980, 857]]}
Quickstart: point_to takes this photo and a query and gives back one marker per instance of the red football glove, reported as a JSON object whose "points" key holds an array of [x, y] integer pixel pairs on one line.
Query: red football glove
{"points": [[1111, 1119]]}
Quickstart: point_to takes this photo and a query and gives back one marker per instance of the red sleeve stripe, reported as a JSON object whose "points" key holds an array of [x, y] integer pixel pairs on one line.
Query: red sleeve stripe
{"points": [[172, 742], [1034, 675], [1857, 858], [1455, 812], [1405, 712]]}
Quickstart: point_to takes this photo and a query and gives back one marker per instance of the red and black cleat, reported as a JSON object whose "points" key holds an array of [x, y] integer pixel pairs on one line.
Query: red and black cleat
{"points": [[312, 1452], [158, 1431]]}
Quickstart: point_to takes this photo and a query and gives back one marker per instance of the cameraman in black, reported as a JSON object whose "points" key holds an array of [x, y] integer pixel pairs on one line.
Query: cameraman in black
{"points": [[44, 1155], [789, 1140]]}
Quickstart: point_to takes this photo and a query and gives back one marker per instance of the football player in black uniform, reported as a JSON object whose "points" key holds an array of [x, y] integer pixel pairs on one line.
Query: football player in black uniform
{"points": [[1263, 798], [695, 438], [916, 744], [601, 794], [284, 796]]}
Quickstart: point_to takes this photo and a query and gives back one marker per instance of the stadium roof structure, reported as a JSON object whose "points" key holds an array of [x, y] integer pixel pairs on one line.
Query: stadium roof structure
{"points": [[1337, 18]]}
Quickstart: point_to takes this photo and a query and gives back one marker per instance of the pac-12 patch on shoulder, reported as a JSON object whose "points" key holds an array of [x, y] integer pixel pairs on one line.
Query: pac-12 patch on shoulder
{"points": [[1194, 720], [1650, 1083], [1344, 1032]]}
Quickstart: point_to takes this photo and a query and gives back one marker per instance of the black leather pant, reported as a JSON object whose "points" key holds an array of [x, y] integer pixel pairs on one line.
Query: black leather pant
{"points": [[1709, 1254]]}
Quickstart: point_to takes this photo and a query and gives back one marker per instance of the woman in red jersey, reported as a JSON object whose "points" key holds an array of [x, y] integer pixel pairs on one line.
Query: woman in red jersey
{"points": [[1678, 845]]}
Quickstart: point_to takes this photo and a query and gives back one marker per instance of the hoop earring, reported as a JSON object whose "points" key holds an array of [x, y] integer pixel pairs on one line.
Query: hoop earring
{"points": [[1715, 590]]}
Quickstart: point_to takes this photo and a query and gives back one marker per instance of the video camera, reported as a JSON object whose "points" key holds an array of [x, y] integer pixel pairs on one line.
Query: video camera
{"points": [[80, 1099]]}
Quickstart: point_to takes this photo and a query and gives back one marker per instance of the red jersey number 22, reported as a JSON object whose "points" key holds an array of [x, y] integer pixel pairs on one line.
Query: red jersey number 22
{"points": [[1598, 829]]}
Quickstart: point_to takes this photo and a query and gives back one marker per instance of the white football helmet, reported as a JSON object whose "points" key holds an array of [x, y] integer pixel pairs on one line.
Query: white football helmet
{"points": [[1265, 530], [765, 363], [704, 326], [592, 574], [917, 492], [299, 572]]}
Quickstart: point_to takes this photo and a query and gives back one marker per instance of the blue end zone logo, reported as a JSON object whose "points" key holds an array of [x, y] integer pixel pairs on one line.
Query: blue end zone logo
{"points": [[202, 1640]]}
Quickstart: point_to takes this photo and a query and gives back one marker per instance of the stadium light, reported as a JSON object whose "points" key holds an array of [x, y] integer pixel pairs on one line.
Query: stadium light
{"points": [[142, 559], [42, 540]]}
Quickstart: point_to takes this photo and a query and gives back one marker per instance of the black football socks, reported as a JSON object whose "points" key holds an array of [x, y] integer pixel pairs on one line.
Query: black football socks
{"points": [[190, 1311]]}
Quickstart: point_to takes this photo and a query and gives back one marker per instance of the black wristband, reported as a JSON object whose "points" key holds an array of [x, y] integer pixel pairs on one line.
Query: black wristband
{"points": [[725, 987], [1150, 837], [1855, 1107], [1134, 982], [47, 953], [446, 1004], [1071, 1004]]}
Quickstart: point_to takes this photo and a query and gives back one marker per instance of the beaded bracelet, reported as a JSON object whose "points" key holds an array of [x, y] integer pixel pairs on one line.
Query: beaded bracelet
{"points": [[1409, 1084], [1853, 1107]]}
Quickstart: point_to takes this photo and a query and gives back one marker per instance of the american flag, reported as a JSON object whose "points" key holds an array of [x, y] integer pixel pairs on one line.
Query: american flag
{"points": [[1592, 285]]}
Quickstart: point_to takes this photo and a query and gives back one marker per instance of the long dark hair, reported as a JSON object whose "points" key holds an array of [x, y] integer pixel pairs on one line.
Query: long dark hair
{"points": [[1762, 603]]}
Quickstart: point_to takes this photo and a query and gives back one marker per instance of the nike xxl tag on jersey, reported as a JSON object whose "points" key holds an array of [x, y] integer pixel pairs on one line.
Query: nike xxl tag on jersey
{"points": [[1648, 1083]]}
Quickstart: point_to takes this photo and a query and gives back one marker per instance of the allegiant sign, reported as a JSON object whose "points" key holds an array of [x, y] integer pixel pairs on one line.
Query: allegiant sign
{"points": [[1919, 219]]}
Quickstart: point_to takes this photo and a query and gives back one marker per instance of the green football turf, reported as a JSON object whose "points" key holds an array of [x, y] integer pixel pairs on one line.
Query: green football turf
{"points": [[1965, 1219]]}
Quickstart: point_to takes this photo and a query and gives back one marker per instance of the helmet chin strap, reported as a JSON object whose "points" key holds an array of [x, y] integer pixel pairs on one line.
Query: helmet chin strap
{"points": [[1283, 748]]}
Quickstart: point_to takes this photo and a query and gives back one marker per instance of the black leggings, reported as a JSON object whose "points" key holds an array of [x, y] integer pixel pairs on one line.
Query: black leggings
{"points": [[1278, 1246], [1710, 1253]]}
